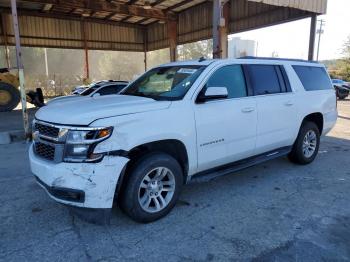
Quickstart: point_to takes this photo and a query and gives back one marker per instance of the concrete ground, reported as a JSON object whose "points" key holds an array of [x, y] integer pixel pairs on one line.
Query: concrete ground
{"points": [[12, 121], [276, 211]]}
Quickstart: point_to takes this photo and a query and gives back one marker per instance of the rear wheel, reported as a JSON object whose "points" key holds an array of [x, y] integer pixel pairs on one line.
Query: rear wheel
{"points": [[152, 187], [9, 97], [306, 146]]}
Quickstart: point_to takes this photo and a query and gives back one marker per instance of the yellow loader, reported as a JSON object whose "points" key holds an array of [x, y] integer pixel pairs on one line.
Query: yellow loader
{"points": [[10, 95]]}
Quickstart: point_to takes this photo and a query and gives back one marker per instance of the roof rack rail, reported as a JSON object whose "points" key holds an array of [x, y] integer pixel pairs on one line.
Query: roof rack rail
{"points": [[277, 59], [201, 59]]}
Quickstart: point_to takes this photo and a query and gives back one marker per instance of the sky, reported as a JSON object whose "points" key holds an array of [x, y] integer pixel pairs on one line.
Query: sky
{"points": [[291, 40]]}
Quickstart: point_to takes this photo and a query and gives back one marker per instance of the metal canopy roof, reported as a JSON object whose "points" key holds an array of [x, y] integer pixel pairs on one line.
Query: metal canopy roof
{"points": [[138, 25]]}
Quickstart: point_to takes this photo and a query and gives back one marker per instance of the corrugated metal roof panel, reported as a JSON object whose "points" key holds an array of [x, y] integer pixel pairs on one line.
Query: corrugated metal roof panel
{"points": [[248, 15], [157, 36], [195, 23], [53, 32], [316, 6]]}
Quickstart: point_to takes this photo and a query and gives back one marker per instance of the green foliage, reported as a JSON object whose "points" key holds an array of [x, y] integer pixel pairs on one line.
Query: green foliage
{"points": [[66, 66], [346, 49], [116, 65], [341, 68], [158, 57], [195, 50]]}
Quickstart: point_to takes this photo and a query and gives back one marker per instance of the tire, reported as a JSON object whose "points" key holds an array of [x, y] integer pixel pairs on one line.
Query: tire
{"points": [[142, 186], [9, 97], [303, 157], [342, 94]]}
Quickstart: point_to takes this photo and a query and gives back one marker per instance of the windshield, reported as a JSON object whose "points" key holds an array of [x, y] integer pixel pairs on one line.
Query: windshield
{"points": [[165, 83]]}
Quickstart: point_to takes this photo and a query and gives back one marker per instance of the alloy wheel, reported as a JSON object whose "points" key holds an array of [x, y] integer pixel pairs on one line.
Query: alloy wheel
{"points": [[156, 189]]}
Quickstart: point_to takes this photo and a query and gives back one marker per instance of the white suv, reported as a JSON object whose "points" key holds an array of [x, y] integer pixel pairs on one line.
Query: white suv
{"points": [[177, 123]]}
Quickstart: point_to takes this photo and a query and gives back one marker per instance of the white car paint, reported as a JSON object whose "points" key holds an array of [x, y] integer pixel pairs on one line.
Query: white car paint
{"points": [[230, 129], [91, 108]]}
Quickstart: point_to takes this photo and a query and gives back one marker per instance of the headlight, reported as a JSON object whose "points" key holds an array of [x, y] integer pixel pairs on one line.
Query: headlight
{"points": [[80, 144]]}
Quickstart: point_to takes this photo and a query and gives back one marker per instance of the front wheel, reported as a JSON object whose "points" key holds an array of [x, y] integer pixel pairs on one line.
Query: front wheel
{"points": [[152, 187], [306, 146]]}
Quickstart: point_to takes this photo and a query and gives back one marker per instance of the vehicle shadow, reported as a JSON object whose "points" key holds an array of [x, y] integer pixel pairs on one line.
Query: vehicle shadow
{"points": [[251, 211], [196, 194]]}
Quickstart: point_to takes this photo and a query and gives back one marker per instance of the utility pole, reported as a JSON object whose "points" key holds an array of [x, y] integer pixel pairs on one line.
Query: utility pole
{"points": [[320, 31]]}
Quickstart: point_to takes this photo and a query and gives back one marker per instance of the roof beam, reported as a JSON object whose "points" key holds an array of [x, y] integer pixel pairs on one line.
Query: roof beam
{"points": [[47, 7], [73, 18], [158, 2], [142, 20], [113, 6], [185, 2], [125, 18], [110, 15]]}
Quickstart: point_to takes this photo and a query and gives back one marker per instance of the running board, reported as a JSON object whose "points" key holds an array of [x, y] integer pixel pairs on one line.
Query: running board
{"points": [[213, 173]]}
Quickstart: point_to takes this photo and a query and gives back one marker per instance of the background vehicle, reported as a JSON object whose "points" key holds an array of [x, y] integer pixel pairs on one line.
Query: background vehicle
{"points": [[342, 88], [10, 95], [101, 88], [180, 122], [79, 89]]}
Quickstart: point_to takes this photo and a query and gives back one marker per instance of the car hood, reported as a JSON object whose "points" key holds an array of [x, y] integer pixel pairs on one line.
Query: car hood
{"points": [[84, 111], [65, 99]]}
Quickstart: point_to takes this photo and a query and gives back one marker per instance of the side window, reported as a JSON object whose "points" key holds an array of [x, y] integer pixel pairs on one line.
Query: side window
{"points": [[232, 78], [313, 78], [266, 79], [110, 90]]}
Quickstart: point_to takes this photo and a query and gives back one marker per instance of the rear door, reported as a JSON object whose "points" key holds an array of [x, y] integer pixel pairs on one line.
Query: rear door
{"points": [[226, 128], [277, 115]]}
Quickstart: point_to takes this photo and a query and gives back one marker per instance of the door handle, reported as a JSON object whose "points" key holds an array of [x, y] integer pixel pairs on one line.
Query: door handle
{"points": [[248, 109], [288, 103]]}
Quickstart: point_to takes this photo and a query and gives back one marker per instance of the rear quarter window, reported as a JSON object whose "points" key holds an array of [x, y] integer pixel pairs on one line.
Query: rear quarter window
{"points": [[313, 78]]}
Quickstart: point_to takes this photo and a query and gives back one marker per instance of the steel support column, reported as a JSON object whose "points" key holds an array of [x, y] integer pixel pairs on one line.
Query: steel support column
{"points": [[86, 51], [312, 37], [172, 34], [145, 47], [20, 69], [221, 17]]}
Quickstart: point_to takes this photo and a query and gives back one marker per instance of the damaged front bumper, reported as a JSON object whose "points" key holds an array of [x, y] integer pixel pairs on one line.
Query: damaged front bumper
{"points": [[83, 185]]}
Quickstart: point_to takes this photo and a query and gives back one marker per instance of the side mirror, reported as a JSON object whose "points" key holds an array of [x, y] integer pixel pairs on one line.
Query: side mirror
{"points": [[96, 95], [212, 93]]}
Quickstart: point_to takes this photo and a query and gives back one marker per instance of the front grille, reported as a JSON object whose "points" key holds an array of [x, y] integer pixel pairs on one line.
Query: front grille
{"points": [[47, 130], [44, 150]]}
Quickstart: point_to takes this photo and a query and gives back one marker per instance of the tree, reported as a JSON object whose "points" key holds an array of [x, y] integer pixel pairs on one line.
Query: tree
{"points": [[341, 68], [158, 57], [346, 49], [344, 64], [196, 50]]}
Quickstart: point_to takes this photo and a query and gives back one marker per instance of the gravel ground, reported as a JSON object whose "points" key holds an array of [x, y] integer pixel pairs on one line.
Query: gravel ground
{"points": [[275, 211]]}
